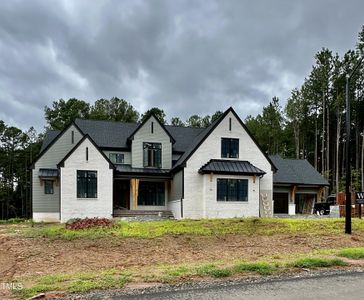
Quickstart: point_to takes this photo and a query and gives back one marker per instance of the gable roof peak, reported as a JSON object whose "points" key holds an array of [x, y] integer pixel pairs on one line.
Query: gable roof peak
{"points": [[130, 138]]}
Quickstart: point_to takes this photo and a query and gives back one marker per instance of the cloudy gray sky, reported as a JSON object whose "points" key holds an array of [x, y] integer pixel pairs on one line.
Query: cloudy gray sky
{"points": [[184, 56]]}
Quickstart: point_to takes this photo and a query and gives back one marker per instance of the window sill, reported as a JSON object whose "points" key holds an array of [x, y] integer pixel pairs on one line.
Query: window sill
{"points": [[242, 202], [87, 198]]}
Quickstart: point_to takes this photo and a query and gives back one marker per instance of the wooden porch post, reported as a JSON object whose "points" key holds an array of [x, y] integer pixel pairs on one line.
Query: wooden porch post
{"points": [[135, 191], [293, 194]]}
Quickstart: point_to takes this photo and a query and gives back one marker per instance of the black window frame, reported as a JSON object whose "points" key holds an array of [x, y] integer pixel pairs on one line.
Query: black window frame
{"points": [[229, 148], [225, 192], [151, 158], [151, 193], [51, 190], [86, 184], [116, 161]]}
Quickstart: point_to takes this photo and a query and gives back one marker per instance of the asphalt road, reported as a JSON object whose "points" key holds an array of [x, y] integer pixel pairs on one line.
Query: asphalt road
{"points": [[349, 286]]}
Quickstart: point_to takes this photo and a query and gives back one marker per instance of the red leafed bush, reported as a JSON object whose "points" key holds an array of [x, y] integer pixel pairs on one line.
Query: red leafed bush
{"points": [[77, 224]]}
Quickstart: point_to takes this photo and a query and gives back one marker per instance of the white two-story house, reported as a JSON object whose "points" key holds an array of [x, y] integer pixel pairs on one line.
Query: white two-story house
{"points": [[101, 168]]}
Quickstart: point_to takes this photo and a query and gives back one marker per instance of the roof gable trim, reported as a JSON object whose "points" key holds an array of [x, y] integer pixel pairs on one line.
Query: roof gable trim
{"points": [[131, 137], [213, 126], [86, 136], [55, 140]]}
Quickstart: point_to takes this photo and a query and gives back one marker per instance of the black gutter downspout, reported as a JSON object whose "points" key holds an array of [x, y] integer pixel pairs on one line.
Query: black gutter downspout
{"points": [[183, 191], [259, 197], [60, 190]]}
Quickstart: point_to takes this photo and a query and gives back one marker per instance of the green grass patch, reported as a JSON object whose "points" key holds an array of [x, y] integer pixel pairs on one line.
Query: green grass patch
{"points": [[261, 268], [114, 278], [14, 221], [204, 227], [213, 271], [76, 282], [353, 253], [317, 262]]}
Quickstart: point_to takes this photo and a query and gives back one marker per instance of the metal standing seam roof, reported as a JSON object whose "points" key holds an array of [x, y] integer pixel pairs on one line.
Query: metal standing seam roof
{"points": [[296, 171], [241, 167], [48, 172]]}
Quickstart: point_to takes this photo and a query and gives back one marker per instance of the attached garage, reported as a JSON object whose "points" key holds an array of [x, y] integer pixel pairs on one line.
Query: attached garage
{"points": [[296, 186]]}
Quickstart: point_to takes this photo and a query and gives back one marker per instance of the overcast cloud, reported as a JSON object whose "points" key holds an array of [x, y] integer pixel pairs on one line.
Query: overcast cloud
{"points": [[185, 57]]}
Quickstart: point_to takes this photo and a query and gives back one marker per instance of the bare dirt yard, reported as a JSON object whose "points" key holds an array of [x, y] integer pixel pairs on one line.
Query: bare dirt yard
{"points": [[28, 256]]}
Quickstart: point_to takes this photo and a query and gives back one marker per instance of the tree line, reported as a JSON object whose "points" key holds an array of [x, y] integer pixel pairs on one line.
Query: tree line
{"points": [[312, 123], [62, 112]]}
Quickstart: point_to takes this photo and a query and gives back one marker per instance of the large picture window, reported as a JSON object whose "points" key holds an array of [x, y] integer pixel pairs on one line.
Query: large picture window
{"points": [[232, 189], [116, 158], [229, 148], [86, 184], [152, 155], [151, 193], [48, 187]]}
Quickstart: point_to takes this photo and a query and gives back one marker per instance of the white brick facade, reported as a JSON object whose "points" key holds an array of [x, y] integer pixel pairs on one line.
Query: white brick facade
{"points": [[73, 207], [200, 199]]}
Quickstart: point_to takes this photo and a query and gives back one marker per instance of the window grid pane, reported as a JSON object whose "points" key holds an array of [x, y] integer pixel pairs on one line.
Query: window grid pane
{"points": [[152, 155], [48, 187], [151, 193], [232, 189], [87, 184], [229, 148], [116, 158]]}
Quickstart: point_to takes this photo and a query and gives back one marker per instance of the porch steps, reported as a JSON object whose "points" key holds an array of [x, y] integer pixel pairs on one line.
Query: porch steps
{"points": [[143, 215]]}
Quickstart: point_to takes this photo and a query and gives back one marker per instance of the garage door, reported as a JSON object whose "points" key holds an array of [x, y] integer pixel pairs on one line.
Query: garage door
{"points": [[280, 203]]}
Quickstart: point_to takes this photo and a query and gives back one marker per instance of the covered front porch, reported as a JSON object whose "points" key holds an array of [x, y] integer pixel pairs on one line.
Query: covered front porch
{"points": [[140, 192]]}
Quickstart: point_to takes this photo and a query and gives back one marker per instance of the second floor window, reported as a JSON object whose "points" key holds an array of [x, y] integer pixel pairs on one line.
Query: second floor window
{"points": [[152, 155], [116, 158], [229, 148]]}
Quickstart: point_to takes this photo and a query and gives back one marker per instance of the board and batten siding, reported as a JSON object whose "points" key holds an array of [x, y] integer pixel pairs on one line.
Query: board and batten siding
{"points": [[71, 205], [198, 194], [46, 206], [144, 134], [127, 155]]}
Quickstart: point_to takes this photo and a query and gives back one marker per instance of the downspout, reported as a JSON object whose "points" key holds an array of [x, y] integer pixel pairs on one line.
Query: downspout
{"points": [[60, 191], [183, 191], [260, 215]]}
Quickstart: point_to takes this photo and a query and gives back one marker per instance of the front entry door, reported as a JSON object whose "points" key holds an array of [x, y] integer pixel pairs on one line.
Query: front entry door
{"points": [[122, 194]]}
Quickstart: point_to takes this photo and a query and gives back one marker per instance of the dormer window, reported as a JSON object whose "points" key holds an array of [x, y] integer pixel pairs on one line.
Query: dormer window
{"points": [[229, 148], [152, 155]]}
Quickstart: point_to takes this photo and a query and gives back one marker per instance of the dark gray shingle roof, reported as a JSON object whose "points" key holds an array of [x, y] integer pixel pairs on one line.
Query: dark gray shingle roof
{"points": [[115, 134], [223, 166], [49, 137], [296, 171]]}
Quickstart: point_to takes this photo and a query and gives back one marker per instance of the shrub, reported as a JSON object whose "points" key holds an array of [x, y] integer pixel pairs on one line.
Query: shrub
{"points": [[77, 224]]}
